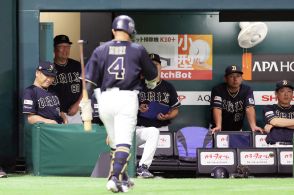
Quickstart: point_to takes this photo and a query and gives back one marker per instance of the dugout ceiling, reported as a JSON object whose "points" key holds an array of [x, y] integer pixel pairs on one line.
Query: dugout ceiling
{"points": [[154, 16]]}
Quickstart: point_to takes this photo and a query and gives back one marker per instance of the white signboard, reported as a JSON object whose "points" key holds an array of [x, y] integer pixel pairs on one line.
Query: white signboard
{"points": [[217, 158], [222, 141], [257, 158], [164, 142], [286, 157]]}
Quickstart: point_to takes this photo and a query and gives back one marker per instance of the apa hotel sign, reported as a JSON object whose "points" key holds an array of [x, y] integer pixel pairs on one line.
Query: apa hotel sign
{"points": [[268, 67]]}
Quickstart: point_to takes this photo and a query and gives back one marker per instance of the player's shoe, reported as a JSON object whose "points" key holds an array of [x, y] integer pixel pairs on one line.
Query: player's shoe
{"points": [[127, 183], [2, 173], [114, 185], [142, 171]]}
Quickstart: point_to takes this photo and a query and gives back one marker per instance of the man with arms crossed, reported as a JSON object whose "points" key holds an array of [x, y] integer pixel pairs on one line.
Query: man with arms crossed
{"points": [[279, 118]]}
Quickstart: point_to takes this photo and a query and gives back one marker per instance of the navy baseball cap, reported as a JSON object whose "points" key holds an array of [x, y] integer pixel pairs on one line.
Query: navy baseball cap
{"points": [[155, 57], [284, 83], [47, 68], [233, 69], [61, 39]]}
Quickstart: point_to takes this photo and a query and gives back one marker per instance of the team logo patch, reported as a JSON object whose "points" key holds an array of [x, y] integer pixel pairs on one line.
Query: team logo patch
{"points": [[28, 102], [269, 113], [251, 100], [218, 98]]}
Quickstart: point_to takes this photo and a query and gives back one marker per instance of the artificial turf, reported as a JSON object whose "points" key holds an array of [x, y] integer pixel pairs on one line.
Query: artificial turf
{"points": [[49, 185]]}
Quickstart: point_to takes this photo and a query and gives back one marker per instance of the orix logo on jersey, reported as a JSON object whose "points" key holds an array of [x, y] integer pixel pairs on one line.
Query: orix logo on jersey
{"points": [[48, 101], [267, 67], [67, 78], [289, 115], [151, 96], [71, 77]]}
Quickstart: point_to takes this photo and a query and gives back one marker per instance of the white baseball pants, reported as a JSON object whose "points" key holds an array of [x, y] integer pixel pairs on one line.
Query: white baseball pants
{"points": [[149, 136], [118, 111]]}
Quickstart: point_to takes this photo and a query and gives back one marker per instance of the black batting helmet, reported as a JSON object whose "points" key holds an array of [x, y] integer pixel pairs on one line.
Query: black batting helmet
{"points": [[124, 23], [219, 172]]}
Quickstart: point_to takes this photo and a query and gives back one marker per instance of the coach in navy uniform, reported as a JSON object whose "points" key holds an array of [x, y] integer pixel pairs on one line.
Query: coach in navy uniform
{"points": [[231, 101], [279, 118], [147, 131], [67, 84], [40, 103]]}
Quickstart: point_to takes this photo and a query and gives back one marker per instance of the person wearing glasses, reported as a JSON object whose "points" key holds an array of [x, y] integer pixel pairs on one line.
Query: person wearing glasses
{"points": [[40, 103], [67, 84]]}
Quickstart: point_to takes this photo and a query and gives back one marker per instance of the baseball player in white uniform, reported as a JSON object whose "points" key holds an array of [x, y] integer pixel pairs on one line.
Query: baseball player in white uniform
{"points": [[116, 67]]}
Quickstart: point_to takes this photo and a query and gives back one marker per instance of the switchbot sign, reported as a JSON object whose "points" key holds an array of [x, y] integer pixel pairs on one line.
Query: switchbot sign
{"points": [[183, 56]]}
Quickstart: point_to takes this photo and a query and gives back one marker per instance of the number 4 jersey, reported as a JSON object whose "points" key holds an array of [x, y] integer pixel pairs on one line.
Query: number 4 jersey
{"points": [[119, 64]]}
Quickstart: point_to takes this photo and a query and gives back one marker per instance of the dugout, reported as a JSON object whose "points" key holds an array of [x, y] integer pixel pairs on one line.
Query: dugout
{"points": [[20, 51]]}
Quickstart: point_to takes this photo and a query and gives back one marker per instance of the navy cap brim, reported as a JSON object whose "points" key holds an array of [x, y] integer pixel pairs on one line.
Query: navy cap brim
{"points": [[51, 74], [62, 42], [289, 86], [240, 72]]}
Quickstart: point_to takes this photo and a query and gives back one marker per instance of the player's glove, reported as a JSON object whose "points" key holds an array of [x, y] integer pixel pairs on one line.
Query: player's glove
{"points": [[86, 110], [151, 84]]}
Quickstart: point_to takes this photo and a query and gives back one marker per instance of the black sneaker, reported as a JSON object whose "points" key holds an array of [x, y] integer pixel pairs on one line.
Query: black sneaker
{"points": [[142, 171]]}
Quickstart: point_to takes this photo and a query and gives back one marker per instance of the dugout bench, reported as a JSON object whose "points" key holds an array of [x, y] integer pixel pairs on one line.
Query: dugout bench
{"points": [[230, 149]]}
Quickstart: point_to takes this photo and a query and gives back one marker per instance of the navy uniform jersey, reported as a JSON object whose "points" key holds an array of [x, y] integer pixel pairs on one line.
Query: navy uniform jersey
{"points": [[163, 93], [278, 134], [41, 102], [233, 106], [119, 64], [67, 84], [275, 111]]}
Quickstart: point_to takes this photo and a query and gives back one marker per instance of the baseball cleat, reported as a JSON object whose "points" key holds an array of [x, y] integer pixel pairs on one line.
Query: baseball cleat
{"points": [[127, 184], [142, 171], [114, 185]]}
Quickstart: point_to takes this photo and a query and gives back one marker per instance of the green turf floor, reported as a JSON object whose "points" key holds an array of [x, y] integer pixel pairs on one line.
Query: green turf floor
{"points": [[35, 185]]}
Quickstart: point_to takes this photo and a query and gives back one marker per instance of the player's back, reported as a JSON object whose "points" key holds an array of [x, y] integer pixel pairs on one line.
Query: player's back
{"points": [[120, 64]]}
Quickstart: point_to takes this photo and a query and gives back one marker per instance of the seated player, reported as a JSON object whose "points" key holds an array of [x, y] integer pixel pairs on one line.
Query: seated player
{"points": [[148, 127], [40, 104], [279, 117]]}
